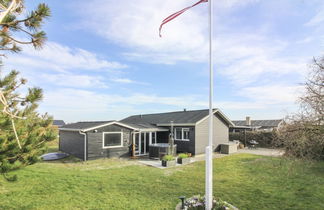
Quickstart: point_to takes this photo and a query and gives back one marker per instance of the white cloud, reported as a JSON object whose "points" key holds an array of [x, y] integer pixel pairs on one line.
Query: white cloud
{"points": [[306, 40], [73, 80], [243, 57], [273, 94], [264, 97], [128, 81], [246, 59], [318, 18], [263, 68], [57, 65], [134, 24], [75, 104], [61, 58]]}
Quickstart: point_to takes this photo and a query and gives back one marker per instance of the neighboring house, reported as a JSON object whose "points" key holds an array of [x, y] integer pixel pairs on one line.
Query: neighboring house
{"points": [[255, 125], [91, 140], [58, 123]]}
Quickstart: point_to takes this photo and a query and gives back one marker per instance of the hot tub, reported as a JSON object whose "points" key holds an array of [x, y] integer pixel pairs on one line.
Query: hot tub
{"points": [[158, 150]]}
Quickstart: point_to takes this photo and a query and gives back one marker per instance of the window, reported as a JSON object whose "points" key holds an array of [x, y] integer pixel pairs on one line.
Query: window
{"points": [[182, 134], [185, 132], [112, 139], [178, 133]]}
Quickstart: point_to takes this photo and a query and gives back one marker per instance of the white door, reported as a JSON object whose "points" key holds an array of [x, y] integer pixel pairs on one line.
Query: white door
{"points": [[142, 141]]}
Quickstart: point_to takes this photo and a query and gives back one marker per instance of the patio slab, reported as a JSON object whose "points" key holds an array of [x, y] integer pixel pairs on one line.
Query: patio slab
{"points": [[157, 163]]}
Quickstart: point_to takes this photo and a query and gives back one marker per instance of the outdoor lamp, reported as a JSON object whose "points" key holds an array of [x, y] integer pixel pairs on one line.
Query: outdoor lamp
{"points": [[182, 198]]}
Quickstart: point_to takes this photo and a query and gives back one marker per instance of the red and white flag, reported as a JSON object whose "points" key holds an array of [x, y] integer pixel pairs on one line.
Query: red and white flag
{"points": [[176, 14]]}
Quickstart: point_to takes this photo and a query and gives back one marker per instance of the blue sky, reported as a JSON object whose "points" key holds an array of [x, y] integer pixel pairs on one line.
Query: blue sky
{"points": [[104, 59]]}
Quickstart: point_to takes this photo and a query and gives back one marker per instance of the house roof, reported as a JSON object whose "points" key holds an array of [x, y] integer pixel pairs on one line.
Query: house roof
{"points": [[90, 125], [148, 122], [84, 125], [180, 117], [258, 123], [145, 126], [58, 122]]}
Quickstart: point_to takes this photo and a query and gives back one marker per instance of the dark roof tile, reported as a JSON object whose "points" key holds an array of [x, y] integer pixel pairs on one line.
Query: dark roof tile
{"points": [[181, 117], [58, 122]]}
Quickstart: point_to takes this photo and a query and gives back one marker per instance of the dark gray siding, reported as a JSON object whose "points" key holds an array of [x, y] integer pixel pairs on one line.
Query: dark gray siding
{"points": [[220, 134], [187, 146], [182, 146], [95, 143], [72, 142]]}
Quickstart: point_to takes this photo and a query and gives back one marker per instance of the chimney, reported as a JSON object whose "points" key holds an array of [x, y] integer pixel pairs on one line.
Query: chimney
{"points": [[248, 121], [184, 109]]}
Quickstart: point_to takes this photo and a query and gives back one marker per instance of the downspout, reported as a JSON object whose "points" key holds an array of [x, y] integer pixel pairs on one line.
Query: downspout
{"points": [[85, 145]]}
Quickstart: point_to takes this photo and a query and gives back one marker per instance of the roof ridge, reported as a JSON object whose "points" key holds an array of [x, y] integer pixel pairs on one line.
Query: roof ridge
{"points": [[255, 120], [103, 121], [174, 112]]}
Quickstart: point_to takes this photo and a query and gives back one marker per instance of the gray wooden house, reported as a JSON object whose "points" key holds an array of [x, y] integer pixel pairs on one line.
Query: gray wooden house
{"points": [[97, 139]]}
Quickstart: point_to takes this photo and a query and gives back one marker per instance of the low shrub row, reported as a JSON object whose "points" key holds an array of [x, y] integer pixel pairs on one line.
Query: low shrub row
{"points": [[170, 160]]}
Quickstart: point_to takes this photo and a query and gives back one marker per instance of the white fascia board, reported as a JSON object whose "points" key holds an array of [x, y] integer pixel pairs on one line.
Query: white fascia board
{"points": [[110, 123], [152, 129], [99, 126], [221, 114]]}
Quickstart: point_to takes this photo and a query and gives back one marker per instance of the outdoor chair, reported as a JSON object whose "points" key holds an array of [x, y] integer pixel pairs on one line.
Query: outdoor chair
{"points": [[253, 144]]}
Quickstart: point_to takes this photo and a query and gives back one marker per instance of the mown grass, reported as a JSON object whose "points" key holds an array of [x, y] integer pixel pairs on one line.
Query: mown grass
{"points": [[246, 181]]}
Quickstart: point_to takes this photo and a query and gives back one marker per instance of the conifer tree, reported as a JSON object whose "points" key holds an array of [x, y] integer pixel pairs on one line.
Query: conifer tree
{"points": [[23, 132], [32, 129], [28, 29]]}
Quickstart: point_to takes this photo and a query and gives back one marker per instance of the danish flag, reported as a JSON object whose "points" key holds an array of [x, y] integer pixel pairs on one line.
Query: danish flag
{"points": [[176, 14]]}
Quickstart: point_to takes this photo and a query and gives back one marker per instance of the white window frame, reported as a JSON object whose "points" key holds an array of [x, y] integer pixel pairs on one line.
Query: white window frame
{"points": [[182, 134], [107, 147]]}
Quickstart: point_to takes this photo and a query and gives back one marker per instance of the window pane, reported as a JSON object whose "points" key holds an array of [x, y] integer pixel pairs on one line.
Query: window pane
{"points": [[185, 133], [178, 133], [153, 138], [112, 139]]}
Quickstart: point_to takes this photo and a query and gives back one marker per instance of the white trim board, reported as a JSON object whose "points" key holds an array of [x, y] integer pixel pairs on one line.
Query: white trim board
{"points": [[109, 147], [221, 114], [98, 126], [111, 123]]}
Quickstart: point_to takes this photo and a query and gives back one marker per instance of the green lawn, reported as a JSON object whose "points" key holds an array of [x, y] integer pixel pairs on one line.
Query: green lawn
{"points": [[247, 181]]}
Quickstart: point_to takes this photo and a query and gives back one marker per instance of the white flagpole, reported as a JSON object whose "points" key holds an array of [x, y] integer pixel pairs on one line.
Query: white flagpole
{"points": [[209, 148]]}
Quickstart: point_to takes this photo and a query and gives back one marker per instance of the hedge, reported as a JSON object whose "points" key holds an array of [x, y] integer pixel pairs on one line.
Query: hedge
{"points": [[265, 138]]}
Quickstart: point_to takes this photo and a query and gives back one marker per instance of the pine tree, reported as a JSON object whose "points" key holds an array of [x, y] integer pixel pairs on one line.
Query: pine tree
{"points": [[29, 26], [23, 132], [33, 130]]}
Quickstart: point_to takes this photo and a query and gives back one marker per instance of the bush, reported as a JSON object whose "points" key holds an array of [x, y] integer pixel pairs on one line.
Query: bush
{"points": [[183, 156], [168, 157], [198, 203], [302, 140], [303, 134], [265, 138]]}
